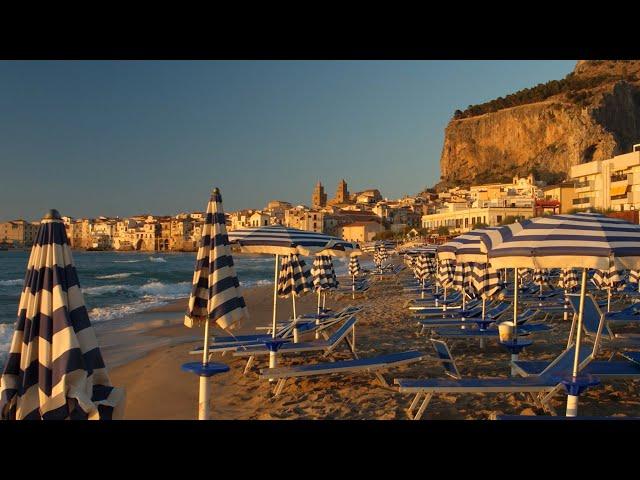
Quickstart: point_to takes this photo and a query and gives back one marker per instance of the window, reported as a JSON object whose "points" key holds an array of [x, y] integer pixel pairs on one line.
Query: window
{"points": [[499, 218]]}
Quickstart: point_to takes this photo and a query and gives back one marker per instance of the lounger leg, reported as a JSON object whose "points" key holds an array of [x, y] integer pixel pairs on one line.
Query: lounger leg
{"points": [[382, 380], [414, 403], [279, 386], [423, 406], [247, 367], [351, 348]]}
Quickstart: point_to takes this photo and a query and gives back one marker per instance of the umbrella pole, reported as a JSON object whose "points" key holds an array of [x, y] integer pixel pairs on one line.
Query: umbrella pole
{"points": [[422, 289], [515, 305], [353, 287], [272, 354], [319, 302], [324, 300], [608, 299], [204, 392], [295, 319], [572, 400]]}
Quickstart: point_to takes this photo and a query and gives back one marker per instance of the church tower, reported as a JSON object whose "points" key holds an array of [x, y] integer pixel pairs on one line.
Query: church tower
{"points": [[342, 194], [319, 198]]}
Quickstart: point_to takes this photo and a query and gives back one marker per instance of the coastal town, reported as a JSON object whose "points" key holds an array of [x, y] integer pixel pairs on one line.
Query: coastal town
{"points": [[611, 185]]}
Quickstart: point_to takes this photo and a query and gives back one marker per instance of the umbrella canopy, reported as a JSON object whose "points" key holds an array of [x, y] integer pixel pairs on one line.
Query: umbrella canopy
{"points": [[55, 369], [279, 240], [583, 240], [634, 276], [568, 279], [215, 293], [354, 266], [295, 277], [323, 273]]}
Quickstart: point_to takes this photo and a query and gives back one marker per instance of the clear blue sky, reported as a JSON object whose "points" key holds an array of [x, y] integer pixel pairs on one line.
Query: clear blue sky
{"points": [[121, 138]]}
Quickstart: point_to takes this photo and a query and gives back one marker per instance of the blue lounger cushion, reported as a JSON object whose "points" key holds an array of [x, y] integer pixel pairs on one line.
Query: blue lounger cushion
{"points": [[373, 363], [488, 385]]}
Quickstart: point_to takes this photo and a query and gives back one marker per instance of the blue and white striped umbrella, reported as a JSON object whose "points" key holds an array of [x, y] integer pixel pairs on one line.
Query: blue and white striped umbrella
{"points": [[463, 277], [382, 252], [279, 240], [421, 268], [295, 277], [323, 273], [541, 276], [611, 279], [446, 269], [354, 266], [568, 279], [486, 280], [55, 370], [583, 240], [215, 293], [634, 276]]}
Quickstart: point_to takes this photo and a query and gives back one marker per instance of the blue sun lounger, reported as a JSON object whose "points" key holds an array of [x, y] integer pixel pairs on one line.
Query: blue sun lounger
{"points": [[368, 365], [542, 387], [346, 333]]}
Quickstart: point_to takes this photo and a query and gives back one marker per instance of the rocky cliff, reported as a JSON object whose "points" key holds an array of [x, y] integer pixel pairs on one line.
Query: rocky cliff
{"points": [[594, 113]]}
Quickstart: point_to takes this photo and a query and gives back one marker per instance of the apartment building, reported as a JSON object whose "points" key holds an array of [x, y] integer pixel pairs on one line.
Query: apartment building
{"points": [[613, 183]]}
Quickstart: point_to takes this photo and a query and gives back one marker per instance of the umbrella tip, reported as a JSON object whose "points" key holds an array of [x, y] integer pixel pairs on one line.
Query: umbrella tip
{"points": [[53, 214]]}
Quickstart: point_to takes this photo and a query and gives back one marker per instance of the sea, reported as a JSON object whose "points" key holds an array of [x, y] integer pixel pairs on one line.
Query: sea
{"points": [[118, 284]]}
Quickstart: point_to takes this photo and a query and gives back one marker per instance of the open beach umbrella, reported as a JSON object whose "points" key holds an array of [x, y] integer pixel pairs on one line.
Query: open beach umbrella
{"points": [[468, 249], [279, 240], [582, 240], [354, 271], [55, 370], [215, 294]]}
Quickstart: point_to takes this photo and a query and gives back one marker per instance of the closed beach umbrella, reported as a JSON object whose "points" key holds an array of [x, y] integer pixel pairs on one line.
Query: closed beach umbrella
{"points": [[568, 279], [295, 279], [611, 279], [446, 269], [583, 240], [541, 277], [354, 271], [215, 293], [634, 277], [55, 370], [377, 259], [324, 276], [421, 270]]}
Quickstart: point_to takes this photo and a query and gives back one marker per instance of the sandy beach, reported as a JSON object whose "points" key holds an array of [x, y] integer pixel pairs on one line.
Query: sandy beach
{"points": [[145, 356]]}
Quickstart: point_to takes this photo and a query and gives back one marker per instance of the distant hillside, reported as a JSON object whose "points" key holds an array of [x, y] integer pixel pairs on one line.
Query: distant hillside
{"points": [[593, 113]]}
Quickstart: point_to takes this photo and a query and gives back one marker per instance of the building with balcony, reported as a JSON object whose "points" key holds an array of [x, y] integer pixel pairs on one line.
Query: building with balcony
{"points": [[458, 218], [613, 183]]}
